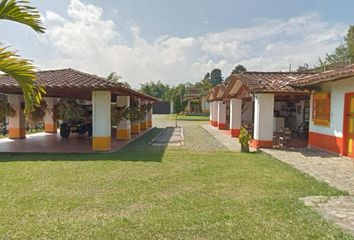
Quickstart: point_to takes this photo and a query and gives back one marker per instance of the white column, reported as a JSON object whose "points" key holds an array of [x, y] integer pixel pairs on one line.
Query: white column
{"points": [[215, 113], [235, 116], [101, 117], [143, 121], [149, 117], [50, 126], [221, 115], [211, 113], [17, 124], [135, 126], [263, 120], [123, 129]]}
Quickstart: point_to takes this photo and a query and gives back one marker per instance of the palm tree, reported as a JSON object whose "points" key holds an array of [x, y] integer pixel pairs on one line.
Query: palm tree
{"points": [[20, 69]]}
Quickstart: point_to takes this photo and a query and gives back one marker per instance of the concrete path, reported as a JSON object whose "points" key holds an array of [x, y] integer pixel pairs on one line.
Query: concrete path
{"points": [[336, 171], [229, 142], [170, 136]]}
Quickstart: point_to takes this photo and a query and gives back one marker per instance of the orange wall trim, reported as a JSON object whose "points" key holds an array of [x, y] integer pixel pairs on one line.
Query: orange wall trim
{"points": [[122, 134], [257, 144], [215, 123], [235, 132], [143, 125], [222, 126], [17, 133], [50, 128], [135, 128], [326, 142], [101, 143]]}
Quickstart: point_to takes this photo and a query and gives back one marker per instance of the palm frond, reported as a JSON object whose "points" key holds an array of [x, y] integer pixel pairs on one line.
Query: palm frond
{"points": [[23, 72], [21, 12]]}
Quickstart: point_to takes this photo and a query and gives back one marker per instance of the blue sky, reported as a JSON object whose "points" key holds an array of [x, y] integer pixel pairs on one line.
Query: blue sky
{"points": [[178, 41]]}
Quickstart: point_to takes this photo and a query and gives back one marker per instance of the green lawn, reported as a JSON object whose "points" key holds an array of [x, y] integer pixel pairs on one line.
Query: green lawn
{"points": [[154, 193], [189, 118]]}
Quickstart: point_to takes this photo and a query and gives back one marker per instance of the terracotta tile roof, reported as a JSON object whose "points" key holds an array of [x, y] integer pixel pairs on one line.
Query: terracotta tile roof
{"points": [[70, 80], [326, 76], [216, 93], [270, 81]]}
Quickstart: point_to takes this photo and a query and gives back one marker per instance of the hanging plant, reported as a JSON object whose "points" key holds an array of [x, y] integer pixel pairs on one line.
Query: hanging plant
{"points": [[6, 110], [119, 113], [70, 110], [37, 114]]}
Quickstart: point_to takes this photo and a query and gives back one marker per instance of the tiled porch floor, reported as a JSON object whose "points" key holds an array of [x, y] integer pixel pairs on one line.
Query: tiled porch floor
{"points": [[53, 143]]}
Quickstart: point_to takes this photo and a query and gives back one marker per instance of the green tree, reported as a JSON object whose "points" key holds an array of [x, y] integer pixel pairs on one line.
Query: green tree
{"points": [[349, 39], [113, 77], [11, 64], [239, 69], [216, 77], [158, 89]]}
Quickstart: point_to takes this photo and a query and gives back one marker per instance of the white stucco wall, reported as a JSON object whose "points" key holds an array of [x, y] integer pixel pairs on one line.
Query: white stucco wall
{"points": [[338, 90], [235, 113], [221, 112]]}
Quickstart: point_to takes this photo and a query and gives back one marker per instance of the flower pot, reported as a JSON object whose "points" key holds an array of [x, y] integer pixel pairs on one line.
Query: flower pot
{"points": [[245, 148]]}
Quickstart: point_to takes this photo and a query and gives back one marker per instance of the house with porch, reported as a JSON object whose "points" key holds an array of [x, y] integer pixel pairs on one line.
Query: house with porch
{"points": [[69, 83], [302, 109]]}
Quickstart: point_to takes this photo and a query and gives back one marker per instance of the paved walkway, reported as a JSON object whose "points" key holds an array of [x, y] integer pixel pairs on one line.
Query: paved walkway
{"points": [[170, 136], [229, 142], [336, 171]]}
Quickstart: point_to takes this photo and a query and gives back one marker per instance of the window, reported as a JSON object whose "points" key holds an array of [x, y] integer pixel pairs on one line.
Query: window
{"points": [[321, 109]]}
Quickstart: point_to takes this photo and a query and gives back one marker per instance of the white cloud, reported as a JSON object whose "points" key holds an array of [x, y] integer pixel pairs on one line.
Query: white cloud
{"points": [[88, 42]]}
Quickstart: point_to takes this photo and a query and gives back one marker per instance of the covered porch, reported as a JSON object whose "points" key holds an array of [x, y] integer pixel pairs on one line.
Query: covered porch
{"points": [[274, 114], [96, 92]]}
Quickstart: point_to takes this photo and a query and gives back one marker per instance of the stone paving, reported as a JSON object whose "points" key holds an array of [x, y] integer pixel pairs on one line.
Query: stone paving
{"points": [[170, 136], [229, 142], [335, 171], [339, 210]]}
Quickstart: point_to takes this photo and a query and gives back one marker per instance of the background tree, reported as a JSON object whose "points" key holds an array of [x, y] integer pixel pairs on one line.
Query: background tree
{"points": [[158, 89], [239, 69], [21, 70], [216, 77], [113, 77], [303, 68], [350, 43]]}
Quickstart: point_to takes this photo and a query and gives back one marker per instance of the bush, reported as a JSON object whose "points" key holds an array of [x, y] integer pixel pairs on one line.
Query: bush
{"points": [[244, 139]]}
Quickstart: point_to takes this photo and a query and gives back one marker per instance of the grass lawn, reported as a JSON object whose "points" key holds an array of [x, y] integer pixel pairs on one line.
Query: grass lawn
{"points": [[154, 193], [189, 118]]}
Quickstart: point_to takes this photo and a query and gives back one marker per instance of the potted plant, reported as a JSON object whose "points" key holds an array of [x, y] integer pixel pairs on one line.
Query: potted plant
{"points": [[244, 139]]}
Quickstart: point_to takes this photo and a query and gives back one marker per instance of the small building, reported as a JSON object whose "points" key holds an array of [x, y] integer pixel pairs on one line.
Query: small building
{"points": [[305, 109], [196, 101]]}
